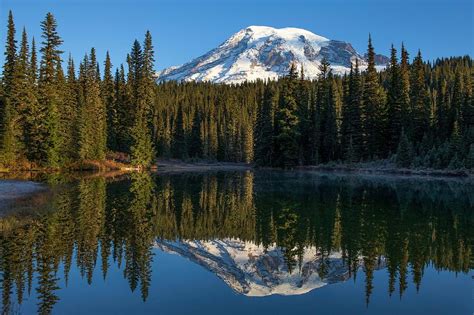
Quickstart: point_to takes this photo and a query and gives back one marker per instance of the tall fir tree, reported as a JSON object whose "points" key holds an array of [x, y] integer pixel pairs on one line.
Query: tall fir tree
{"points": [[142, 151], [355, 113], [179, 145], [48, 92], [328, 121], [92, 126], [10, 56], [264, 129], [70, 114], [372, 104], [405, 86], [303, 95], [107, 92], [419, 98], [286, 123], [122, 110], [442, 110], [195, 141], [20, 99], [7, 111], [36, 119], [404, 151], [394, 103]]}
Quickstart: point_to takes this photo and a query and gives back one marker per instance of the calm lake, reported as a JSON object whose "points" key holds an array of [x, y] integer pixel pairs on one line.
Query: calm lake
{"points": [[239, 243]]}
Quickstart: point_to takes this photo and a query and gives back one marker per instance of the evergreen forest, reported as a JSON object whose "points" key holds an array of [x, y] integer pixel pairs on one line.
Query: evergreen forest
{"points": [[56, 111]]}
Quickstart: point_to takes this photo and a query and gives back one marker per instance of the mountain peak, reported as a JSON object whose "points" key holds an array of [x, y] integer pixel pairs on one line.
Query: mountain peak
{"points": [[263, 52], [286, 32]]}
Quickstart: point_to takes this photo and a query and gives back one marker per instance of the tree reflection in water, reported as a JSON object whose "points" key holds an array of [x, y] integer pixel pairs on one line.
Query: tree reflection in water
{"points": [[402, 225]]}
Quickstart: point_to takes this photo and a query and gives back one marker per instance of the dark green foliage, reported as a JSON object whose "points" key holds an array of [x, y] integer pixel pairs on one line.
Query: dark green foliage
{"points": [[404, 152], [8, 131], [394, 103], [456, 144], [405, 89], [328, 121], [142, 149], [50, 153], [51, 118], [123, 110], [142, 86], [179, 145], [351, 127], [287, 135], [10, 56], [67, 114], [373, 109], [420, 107], [92, 117], [195, 142], [264, 128], [442, 110], [107, 91]]}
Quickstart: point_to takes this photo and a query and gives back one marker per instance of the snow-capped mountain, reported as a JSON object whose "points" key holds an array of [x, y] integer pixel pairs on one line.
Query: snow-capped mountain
{"points": [[252, 270], [260, 52]]}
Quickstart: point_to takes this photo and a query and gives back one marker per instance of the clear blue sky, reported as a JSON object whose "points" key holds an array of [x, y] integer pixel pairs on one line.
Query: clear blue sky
{"points": [[184, 29]]}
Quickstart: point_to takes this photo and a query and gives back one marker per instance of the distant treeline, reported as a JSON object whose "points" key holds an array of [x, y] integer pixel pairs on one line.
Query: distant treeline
{"points": [[417, 114]]}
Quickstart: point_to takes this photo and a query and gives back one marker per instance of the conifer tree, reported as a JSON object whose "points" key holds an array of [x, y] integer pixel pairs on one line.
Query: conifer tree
{"points": [[20, 99], [351, 127], [314, 130], [48, 92], [122, 110], [419, 98], [36, 116], [264, 128], [69, 115], [405, 86], [328, 123], [304, 116], [467, 110], [8, 143], [404, 152], [321, 99], [394, 102], [108, 98], [195, 141], [286, 123], [457, 100], [142, 151], [10, 56], [456, 145], [247, 140], [92, 130], [442, 119], [373, 111]]}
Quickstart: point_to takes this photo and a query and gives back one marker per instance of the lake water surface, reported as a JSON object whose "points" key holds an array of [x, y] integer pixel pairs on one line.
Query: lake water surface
{"points": [[239, 243]]}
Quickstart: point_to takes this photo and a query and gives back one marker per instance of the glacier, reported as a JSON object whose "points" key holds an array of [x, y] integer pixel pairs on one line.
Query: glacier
{"points": [[266, 53]]}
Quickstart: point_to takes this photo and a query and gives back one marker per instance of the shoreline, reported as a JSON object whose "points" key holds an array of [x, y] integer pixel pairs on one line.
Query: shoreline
{"points": [[402, 172], [179, 166]]}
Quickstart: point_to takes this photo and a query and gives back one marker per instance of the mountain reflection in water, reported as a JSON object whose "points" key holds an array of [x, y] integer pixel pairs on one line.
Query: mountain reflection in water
{"points": [[262, 233]]}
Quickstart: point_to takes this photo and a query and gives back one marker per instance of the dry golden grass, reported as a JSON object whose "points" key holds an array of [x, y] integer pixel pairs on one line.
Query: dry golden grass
{"points": [[95, 165]]}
